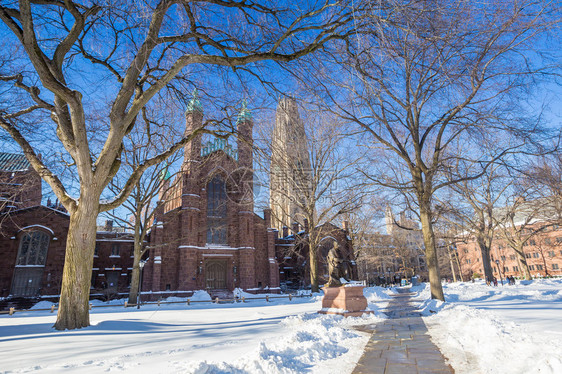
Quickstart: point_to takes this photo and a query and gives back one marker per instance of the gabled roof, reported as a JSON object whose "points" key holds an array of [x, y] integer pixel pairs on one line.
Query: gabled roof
{"points": [[35, 207], [13, 162]]}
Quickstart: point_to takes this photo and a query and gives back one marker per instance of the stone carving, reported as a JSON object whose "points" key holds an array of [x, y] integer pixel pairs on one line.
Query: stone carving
{"points": [[337, 267]]}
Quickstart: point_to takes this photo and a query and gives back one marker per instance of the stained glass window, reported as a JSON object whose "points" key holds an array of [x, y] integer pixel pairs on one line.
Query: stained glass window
{"points": [[216, 212], [33, 249]]}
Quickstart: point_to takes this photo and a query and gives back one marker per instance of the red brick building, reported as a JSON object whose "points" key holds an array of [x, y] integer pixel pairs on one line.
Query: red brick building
{"points": [[207, 235], [543, 253], [33, 240]]}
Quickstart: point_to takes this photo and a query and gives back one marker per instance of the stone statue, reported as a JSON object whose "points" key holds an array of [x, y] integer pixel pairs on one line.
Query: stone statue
{"points": [[337, 267]]}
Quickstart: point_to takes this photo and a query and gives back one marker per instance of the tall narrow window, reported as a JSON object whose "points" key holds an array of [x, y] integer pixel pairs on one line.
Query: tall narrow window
{"points": [[32, 256], [115, 250], [33, 249], [216, 212]]}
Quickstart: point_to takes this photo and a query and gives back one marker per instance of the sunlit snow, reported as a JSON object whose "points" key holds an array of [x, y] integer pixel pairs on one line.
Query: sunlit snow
{"points": [[480, 329]]}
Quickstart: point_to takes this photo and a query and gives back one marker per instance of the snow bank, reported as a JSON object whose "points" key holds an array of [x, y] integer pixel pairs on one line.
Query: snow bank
{"points": [[200, 295], [374, 294], [313, 343], [477, 341], [483, 329], [279, 336]]}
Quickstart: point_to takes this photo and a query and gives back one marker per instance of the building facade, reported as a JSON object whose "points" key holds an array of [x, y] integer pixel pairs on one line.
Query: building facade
{"points": [[207, 235], [542, 250], [33, 241], [290, 166]]}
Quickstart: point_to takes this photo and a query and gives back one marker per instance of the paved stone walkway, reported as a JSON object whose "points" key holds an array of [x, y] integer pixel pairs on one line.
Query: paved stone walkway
{"points": [[401, 344]]}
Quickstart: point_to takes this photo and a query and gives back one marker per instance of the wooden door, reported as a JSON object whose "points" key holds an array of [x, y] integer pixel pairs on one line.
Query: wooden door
{"points": [[215, 274]]}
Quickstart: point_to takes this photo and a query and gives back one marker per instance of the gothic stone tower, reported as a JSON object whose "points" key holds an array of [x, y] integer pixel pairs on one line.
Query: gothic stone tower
{"points": [[290, 166]]}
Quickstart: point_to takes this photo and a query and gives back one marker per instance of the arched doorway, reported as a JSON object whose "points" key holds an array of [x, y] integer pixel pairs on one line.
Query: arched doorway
{"points": [[30, 263]]}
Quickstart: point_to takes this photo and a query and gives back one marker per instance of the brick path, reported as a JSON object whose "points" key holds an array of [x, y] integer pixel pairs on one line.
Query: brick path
{"points": [[401, 344]]}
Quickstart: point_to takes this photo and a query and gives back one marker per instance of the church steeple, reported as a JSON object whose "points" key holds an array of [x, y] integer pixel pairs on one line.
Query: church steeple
{"points": [[245, 114], [194, 105], [193, 121], [244, 128]]}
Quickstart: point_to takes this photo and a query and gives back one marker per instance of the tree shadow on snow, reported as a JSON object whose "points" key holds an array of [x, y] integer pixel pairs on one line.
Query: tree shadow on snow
{"points": [[127, 327]]}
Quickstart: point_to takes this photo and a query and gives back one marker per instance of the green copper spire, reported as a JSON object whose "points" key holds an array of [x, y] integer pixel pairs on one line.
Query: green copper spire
{"points": [[245, 113], [194, 105], [165, 175]]}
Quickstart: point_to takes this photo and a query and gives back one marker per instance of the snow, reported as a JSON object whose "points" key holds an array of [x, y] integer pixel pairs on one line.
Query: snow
{"points": [[200, 296], [279, 336], [40, 226], [483, 329], [480, 329]]}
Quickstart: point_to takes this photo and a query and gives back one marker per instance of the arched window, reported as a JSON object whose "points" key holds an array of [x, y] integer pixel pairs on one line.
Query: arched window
{"points": [[216, 212], [30, 263], [33, 249]]}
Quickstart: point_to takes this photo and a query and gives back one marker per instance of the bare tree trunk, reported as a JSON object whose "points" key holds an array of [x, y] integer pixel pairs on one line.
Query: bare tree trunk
{"points": [[544, 262], [137, 255], [430, 252], [77, 273], [135, 274], [135, 277], [459, 266], [486, 261], [523, 262], [313, 260], [451, 264]]}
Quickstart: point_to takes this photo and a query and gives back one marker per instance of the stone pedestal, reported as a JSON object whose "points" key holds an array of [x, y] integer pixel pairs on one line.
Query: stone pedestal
{"points": [[346, 301]]}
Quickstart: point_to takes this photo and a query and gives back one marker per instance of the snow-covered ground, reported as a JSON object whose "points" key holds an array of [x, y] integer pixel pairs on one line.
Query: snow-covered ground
{"points": [[512, 329], [280, 336], [481, 329]]}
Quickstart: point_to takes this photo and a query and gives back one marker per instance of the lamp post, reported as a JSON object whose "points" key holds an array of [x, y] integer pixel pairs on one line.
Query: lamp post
{"points": [[141, 267], [499, 270]]}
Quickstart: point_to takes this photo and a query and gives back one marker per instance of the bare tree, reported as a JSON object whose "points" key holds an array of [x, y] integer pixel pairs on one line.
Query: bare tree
{"points": [[363, 223], [93, 66], [433, 77], [544, 177], [320, 192], [473, 209], [525, 216], [137, 213], [20, 186]]}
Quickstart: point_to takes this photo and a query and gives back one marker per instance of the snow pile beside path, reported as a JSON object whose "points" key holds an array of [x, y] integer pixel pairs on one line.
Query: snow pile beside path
{"points": [[314, 343], [200, 295], [422, 290], [484, 329], [535, 290], [374, 294], [42, 305], [476, 341]]}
